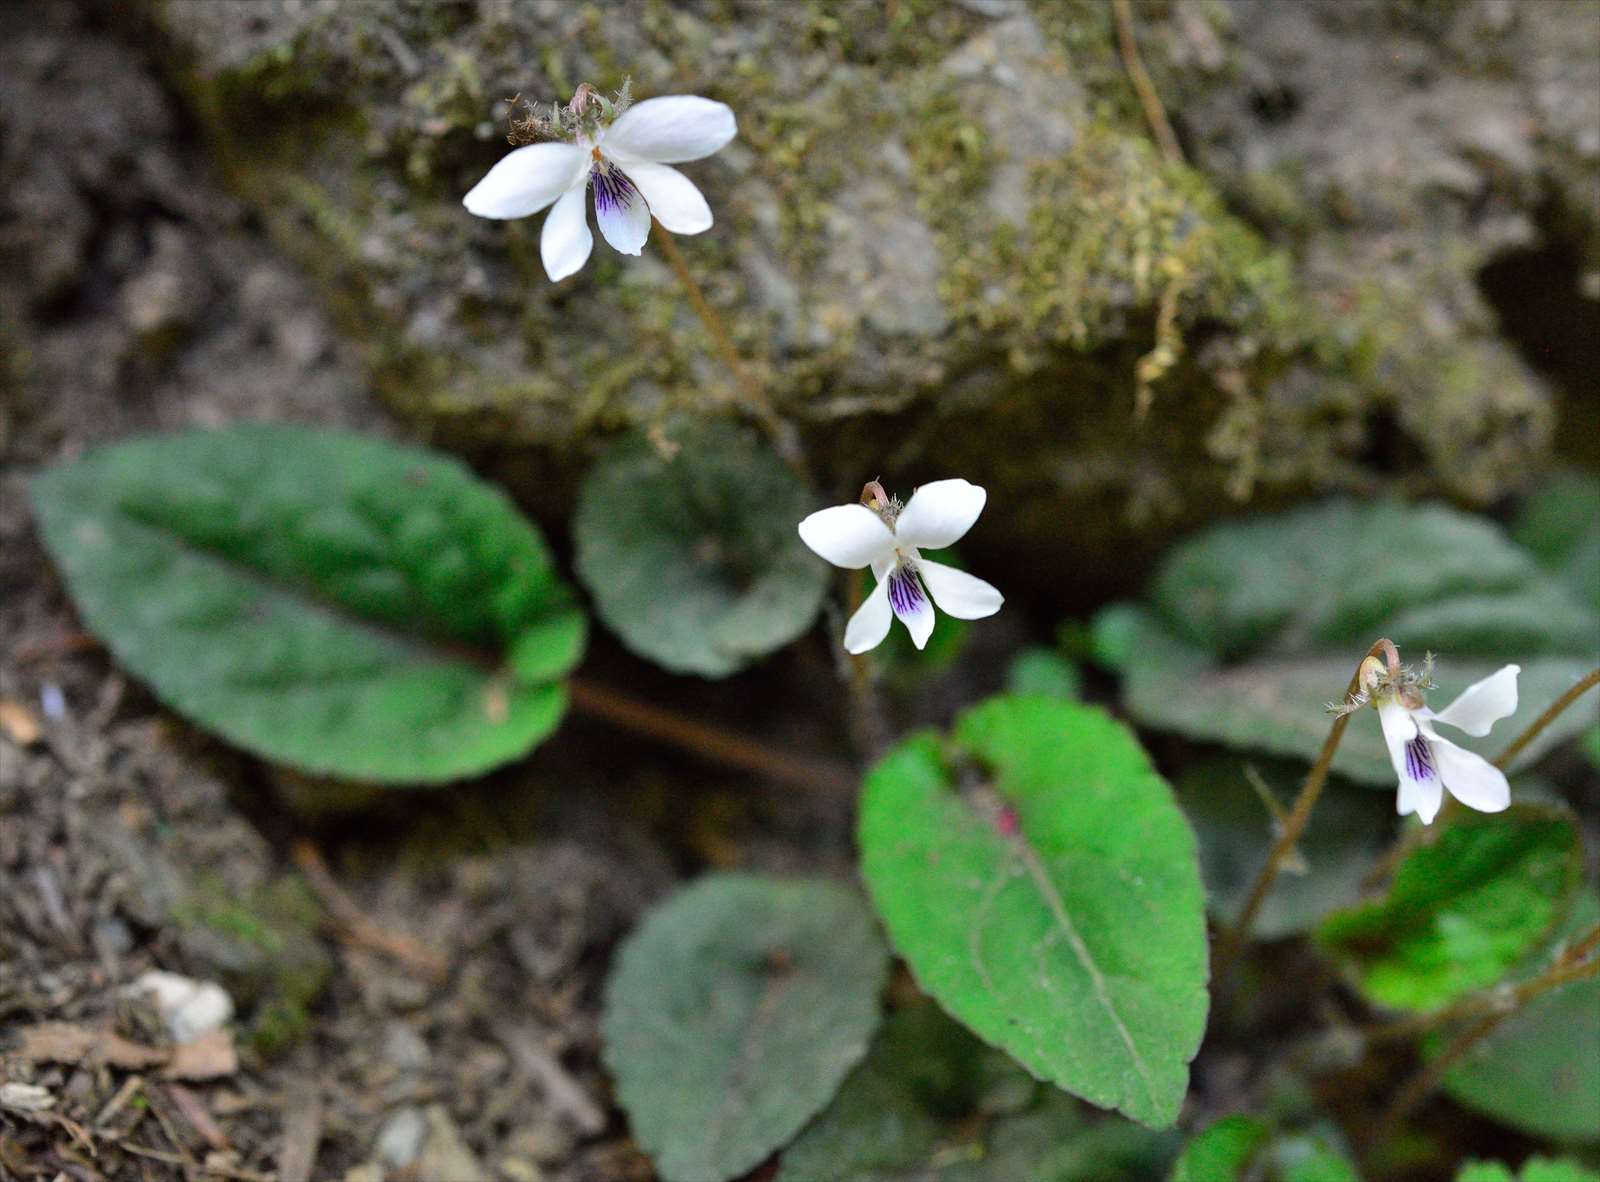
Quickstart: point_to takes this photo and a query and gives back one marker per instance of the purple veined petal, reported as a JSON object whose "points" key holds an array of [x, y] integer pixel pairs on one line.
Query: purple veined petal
{"points": [[939, 514], [870, 623], [565, 241], [671, 129], [620, 209], [525, 181], [911, 604]]}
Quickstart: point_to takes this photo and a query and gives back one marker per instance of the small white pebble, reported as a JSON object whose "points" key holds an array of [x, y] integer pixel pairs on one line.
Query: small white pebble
{"points": [[190, 1008]]}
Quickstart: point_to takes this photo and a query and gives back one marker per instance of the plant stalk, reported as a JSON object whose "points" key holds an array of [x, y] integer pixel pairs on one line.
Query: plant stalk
{"points": [[1295, 823], [755, 401]]}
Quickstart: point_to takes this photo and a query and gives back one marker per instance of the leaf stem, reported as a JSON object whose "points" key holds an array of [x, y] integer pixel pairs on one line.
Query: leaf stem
{"points": [[1570, 966], [1514, 748], [1295, 823], [755, 401], [709, 742]]}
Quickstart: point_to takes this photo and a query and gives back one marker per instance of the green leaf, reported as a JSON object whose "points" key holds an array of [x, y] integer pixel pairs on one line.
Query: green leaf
{"points": [[1560, 526], [1278, 705], [1535, 1169], [1349, 832], [695, 562], [930, 1103], [1039, 879], [1223, 1151], [1245, 1149], [732, 1015], [1042, 670], [1253, 626], [1539, 1071], [1463, 910], [341, 604], [1342, 573]]}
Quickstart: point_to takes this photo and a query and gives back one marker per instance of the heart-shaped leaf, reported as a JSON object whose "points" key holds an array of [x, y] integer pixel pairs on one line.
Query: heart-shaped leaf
{"points": [[333, 602], [1560, 526], [1464, 909], [694, 561], [1039, 879], [734, 1012]]}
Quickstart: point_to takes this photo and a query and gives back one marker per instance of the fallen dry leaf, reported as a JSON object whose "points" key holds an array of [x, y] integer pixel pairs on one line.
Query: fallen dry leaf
{"points": [[64, 1042], [210, 1056]]}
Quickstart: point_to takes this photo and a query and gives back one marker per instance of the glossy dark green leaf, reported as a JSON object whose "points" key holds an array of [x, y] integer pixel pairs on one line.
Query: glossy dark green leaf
{"points": [[1350, 831], [694, 561], [733, 1014], [1463, 910], [1040, 881], [338, 603]]}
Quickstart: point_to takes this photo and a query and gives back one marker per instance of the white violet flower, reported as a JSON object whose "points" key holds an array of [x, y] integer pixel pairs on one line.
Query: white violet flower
{"points": [[1427, 763], [624, 151], [888, 537]]}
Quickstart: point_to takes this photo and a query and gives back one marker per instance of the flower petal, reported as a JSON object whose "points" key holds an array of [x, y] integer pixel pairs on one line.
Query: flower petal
{"points": [[673, 198], [1423, 797], [957, 593], [620, 209], [1471, 778], [939, 514], [1414, 765], [1484, 703], [565, 242], [910, 602], [850, 536], [671, 129], [870, 624], [525, 181]]}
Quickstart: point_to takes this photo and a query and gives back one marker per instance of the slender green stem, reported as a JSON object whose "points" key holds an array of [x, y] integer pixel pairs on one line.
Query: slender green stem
{"points": [[1294, 824], [1515, 747]]}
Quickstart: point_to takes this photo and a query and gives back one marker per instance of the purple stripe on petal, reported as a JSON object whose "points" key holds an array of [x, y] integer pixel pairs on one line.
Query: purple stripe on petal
{"points": [[1419, 760], [905, 593], [612, 188]]}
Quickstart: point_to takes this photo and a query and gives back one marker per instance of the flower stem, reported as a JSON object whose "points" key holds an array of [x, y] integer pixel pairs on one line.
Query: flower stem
{"points": [[1514, 749], [755, 401], [1154, 113], [1574, 964], [709, 742], [1295, 823]]}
